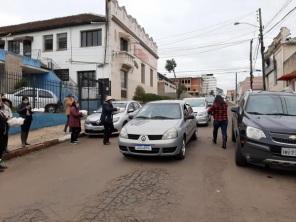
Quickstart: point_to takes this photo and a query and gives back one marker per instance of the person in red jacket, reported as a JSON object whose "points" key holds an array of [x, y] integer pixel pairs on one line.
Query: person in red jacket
{"points": [[75, 122], [219, 112]]}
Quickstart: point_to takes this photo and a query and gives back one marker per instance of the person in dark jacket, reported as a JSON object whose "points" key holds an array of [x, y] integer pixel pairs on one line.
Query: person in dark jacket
{"points": [[25, 111], [219, 112], [3, 133], [75, 122], [107, 119]]}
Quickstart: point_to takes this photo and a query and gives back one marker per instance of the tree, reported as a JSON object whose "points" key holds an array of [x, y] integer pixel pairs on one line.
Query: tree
{"points": [[139, 93], [170, 66], [180, 90]]}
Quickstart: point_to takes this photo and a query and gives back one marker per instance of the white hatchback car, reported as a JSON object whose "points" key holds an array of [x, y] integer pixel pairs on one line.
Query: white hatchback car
{"points": [[200, 108]]}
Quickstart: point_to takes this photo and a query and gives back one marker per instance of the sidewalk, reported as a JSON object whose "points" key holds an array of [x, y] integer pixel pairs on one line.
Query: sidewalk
{"points": [[38, 136]]}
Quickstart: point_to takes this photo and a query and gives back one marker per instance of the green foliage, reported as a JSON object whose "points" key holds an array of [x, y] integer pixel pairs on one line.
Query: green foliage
{"points": [[153, 97], [139, 93], [180, 90], [170, 66]]}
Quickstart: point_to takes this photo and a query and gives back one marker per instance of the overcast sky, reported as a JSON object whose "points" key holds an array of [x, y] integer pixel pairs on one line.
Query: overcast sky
{"points": [[199, 34]]}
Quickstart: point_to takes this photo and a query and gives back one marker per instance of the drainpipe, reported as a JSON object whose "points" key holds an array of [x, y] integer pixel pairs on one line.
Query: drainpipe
{"points": [[106, 30]]}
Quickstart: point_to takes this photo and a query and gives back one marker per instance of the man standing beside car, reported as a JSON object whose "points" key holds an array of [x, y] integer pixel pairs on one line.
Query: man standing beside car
{"points": [[68, 101], [219, 112], [107, 119]]}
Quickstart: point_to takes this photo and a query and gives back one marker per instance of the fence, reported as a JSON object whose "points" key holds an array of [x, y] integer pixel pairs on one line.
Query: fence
{"points": [[46, 92]]}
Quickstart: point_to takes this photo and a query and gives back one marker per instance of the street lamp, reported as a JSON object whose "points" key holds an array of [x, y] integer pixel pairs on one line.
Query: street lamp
{"points": [[261, 43]]}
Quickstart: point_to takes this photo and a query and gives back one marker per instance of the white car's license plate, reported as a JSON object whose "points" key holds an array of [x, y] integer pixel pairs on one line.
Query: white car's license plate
{"points": [[143, 148], [289, 152]]}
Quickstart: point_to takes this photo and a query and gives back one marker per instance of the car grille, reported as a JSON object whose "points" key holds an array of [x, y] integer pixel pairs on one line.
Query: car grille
{"points": [[151, 137], [96, 124], [133, 150], [133, 136], [284, 140]]}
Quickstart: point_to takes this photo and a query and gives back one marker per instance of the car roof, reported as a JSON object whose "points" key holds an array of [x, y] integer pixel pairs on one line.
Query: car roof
{"points": [[169, 102], [194, 98], [272, 93], [124, 101]]}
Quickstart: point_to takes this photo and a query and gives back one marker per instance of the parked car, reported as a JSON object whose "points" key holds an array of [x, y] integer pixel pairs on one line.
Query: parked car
{"points": [[93, 124], [161, 128], [200, 108], [210, 100], [264, 129], [39, 98]]}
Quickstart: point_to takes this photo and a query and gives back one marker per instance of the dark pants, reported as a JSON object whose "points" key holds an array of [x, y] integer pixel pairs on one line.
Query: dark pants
{"points": [[5, 140], [108, 128], [2, 147], [67, 124], [25, 129], [223, 125], [75, 131]]}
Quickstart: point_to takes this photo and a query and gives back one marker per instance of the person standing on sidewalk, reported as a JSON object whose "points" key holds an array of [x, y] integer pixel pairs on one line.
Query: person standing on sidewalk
{"points": [[67, 104], [7, 111], [3, 132], [107, 119], [25, 111], [219, 112], [75, 122]]}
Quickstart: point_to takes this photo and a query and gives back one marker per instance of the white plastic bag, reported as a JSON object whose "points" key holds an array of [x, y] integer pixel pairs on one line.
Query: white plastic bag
{"points": [[16, 122], [83, 112]]}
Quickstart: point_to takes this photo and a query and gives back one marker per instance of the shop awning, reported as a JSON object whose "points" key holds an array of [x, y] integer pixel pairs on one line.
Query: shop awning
{"points": [[288, 77]]}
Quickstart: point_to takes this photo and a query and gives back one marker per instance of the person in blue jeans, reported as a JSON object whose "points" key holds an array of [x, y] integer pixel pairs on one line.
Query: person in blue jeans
{"points": [[219, 112]]}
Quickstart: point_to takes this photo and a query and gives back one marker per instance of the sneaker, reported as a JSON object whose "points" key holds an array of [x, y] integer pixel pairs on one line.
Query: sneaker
{"points": [[74, 143], [107, 143], [224, 146], [2, 165]]}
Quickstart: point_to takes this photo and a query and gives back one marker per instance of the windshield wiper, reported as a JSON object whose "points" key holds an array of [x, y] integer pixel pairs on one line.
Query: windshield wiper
{"points": [[142, 117], [161, 117], [255, 113]]}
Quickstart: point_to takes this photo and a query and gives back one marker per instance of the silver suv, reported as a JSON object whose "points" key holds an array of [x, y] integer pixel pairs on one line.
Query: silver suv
{"points": [[93, 125]]}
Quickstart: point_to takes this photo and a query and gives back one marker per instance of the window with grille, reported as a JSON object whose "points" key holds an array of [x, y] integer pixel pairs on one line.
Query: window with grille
{"points": [[62, 41], [151, 77], [143, 73], [91, 38], [123, 45], [14, 46], [87, 78], [123, 76], [48, 42]]}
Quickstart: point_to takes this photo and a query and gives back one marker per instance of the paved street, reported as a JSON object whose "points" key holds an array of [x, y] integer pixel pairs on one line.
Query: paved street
{"points": [[89, 182]]}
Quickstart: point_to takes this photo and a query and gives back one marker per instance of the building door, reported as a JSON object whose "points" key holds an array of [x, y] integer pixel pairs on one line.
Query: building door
{"points": [[27, 44]]}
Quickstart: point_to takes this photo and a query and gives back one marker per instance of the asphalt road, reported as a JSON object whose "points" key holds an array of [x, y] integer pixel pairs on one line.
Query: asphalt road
{"points": [[91, 182]]}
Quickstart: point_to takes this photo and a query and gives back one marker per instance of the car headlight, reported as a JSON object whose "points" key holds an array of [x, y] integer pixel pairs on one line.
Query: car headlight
{"points": [[116, 119], [170, 134], [98, 122], [254, 133], [123, 133]]}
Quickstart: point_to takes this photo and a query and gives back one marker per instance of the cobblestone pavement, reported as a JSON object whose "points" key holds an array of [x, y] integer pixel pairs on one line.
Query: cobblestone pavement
{"points": [[136, 197]]}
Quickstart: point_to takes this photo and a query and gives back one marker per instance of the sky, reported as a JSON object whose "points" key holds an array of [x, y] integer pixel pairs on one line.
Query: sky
{"points": [[198, 34]]}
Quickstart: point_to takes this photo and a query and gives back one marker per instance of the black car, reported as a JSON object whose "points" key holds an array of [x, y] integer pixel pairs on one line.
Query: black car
{"points": [[264, 129]]}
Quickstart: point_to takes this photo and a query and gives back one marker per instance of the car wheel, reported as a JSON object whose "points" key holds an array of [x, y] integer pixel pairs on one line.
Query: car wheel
{"points": [[181, 155], [194, 136], [233, 135], [240, 160], [50, 109]]}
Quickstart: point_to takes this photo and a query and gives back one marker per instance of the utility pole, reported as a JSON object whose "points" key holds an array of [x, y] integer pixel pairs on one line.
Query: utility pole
{"points": [[236, 87], [262, 47], [251, 64]]}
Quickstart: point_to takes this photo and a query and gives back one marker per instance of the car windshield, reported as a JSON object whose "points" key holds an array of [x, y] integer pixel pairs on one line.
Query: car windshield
{"points": [[271, 105], [210, 99], [115, 104], [160, 111], [196, 102]]}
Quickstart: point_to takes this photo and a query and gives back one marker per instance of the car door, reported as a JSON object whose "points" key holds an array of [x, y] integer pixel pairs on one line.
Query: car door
{"points": [[44, 98], [188, 122], [192, 122]]}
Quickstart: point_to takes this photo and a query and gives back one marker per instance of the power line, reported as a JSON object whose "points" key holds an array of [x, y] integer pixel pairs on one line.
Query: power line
{"points": [[280, 21], [286, 4]]}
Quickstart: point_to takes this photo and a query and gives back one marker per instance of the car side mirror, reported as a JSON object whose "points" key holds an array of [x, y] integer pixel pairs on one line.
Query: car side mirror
{"points": [[130, 111], [235, 109], [189, 117], [131, 116]]}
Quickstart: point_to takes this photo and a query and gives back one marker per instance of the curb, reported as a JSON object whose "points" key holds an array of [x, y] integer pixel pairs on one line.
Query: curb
{"points": [[36, 147]]}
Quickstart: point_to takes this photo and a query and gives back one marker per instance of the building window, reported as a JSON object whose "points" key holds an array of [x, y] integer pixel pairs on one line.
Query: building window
{"points": [[62, 41], [123, 45], [87, 78], [151, 77], [2, 44], [91, 38], [48, 42], [275, 72], [14, 46], [123, 77], [63, 74], [143, 73]]}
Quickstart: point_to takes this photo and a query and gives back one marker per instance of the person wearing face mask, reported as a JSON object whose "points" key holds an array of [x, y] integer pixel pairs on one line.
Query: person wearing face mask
{"points": [[3, 133], [75, 122], [7, 105], [107, 119], [25, 111]]}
